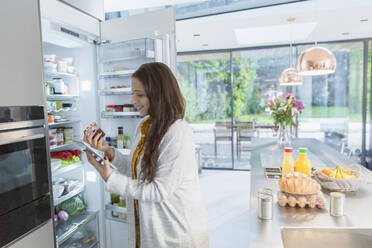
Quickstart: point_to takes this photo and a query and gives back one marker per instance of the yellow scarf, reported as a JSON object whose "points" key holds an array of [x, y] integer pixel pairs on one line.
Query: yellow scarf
{"points": [[135, 161]]}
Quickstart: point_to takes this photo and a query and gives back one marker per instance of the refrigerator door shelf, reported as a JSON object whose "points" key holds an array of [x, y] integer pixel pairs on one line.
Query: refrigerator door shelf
{"points": [[63, 147], [120, 91], [149, 55], [79, 188], [107, 115], [117, 73], [54, 74], [62, 98], [116, 213], [63, 123]]}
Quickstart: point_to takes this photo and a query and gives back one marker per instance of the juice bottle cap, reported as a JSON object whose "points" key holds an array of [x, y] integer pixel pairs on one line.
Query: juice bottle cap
{"points": [[303, 150], [288, 149]]}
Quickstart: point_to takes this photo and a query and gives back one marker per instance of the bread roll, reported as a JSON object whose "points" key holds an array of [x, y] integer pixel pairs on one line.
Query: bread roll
{"points": [[299, 183]]}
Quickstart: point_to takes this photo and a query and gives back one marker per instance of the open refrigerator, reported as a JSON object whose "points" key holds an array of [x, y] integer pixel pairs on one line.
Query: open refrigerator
{"points": [[87, 79]]}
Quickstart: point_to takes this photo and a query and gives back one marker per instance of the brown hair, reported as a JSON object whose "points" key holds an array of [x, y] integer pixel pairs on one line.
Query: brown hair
{"points": [[166, 106]]}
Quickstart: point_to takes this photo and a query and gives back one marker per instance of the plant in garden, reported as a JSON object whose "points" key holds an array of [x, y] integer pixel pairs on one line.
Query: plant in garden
{"points": [[284, 109]]}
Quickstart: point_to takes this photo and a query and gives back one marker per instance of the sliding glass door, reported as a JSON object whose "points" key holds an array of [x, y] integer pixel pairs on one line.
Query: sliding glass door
{"points": [[205, 84]]}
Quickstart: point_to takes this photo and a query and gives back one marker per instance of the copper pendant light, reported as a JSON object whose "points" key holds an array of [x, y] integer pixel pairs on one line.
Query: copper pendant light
{"points": [[290, 77], [316, 61]]}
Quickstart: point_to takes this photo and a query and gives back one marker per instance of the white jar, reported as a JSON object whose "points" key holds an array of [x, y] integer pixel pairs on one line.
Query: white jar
{"points": [[59, 86], [62, 66]]}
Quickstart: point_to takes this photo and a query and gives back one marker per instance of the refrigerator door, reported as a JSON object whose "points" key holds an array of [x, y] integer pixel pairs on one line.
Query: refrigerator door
{"points": [[158, 24]]}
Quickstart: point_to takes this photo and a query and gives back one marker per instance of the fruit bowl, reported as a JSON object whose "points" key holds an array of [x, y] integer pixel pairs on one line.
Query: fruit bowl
{"points": [[340, 179]]}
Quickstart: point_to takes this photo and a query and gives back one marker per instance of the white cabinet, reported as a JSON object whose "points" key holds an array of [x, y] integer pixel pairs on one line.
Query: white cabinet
{"points": [[21, 56]]}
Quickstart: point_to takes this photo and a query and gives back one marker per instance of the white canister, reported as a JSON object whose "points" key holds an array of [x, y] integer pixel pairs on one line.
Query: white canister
{"points": [[265, 204], [59, 86], [336, 206], [62, 66]]}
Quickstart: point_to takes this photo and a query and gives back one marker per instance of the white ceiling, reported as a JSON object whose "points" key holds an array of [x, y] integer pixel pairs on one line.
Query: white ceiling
{"points": [[119, 5], [333, 18]]}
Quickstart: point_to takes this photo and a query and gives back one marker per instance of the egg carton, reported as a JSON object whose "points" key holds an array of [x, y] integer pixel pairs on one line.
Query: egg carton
{"points": [[302, 201]]}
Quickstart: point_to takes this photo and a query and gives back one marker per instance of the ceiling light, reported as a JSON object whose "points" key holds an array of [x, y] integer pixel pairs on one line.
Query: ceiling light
{"points": [[196, 35], [290, 77], [364, 20], [271, 34], [205, 45], [316, 61], [345, 33]]}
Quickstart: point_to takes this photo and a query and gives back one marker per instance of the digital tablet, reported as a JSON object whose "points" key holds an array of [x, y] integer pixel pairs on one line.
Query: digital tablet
{"points": [[96, 153]]}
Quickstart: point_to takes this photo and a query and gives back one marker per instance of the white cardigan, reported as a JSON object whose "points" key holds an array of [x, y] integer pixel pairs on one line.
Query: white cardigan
{"points": [[171, 209]]}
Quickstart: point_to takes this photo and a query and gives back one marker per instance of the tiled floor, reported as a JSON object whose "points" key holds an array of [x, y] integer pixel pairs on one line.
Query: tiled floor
{"points": [[226, 196]]}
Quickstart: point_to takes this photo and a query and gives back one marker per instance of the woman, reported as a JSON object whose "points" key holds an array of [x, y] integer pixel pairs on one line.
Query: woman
{"points": [[159, 178]]}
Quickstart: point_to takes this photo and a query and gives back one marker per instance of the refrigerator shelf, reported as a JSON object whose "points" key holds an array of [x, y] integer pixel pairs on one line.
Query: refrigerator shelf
{"points": [[120, 114], [62, 97], [58, 74], [53, 148], [120, 91], [63, 123], [65, 230], [63, 169], [149, 55], [73, 193], [117, 73], [109, 208]]}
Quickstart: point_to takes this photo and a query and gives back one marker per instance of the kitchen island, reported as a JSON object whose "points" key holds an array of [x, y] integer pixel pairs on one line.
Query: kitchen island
{"points": [[266, 233]]}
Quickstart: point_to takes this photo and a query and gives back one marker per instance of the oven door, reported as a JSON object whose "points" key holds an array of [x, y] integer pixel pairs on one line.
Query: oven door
{"points": [[23, 168]]}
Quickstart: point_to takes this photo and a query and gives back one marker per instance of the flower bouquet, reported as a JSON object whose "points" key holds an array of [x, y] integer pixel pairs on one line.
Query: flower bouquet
{"points": [[283, 111]]}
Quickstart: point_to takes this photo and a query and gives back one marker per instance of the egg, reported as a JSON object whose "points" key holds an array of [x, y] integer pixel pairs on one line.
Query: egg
{"points": [[312, 202], [320, 201], [302, 201], [282, 200], [292, 201]]}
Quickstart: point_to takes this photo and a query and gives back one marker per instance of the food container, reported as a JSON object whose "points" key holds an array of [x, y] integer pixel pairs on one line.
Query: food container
{"points": [[50, 118], [50, 66], [58, 190], [70, 69], [68, 60], [62, 66], [265, 204], [336, 205], [110, 108], [339, 184], [302, 201], [68, 135], [50, 58], [60, 138], [52, 137], [128, 107], [93, 127], [119, 108], [59, 86]]}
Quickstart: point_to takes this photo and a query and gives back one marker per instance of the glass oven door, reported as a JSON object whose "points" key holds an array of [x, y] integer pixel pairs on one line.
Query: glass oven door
{"points": [[23, 168]]}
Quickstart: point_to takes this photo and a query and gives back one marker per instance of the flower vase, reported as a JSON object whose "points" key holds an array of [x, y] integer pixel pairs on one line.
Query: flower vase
{"points": [[284, 136]]}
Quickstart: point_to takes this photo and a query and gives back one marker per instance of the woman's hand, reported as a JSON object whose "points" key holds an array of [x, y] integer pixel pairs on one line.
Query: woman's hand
{"points": [[104, 170], [98, 142]]}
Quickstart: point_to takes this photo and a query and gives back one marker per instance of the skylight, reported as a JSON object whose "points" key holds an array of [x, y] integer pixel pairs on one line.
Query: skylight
{"points": [[275, 33]]}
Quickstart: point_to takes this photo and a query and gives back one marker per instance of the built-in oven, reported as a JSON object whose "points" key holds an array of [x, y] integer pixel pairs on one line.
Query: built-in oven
{"points": [[24, 183]]}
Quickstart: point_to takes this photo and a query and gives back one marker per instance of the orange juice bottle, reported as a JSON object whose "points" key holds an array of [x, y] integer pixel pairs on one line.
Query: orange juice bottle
{"points": [[303, 164], [288, 162]]}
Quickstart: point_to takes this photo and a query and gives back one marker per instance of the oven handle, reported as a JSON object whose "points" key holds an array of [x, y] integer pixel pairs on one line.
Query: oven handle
{"points": [[21, 135]]}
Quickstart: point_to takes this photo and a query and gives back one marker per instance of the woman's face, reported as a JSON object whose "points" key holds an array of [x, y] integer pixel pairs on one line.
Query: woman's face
{"points": [[139, 98]]}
